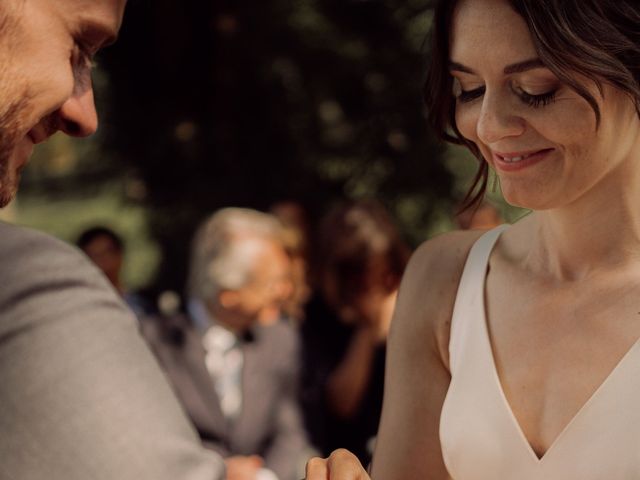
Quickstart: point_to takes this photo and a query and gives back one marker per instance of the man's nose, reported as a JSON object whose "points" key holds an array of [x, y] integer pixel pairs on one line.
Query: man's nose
{"points": [[498, 120], [77, 115]]}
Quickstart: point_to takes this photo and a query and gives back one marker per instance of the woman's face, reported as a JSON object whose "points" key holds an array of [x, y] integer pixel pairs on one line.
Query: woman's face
{"points": [[539, 135]]}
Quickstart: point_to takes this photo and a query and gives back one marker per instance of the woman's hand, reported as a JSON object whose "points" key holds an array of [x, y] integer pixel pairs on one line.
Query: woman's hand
{"points": [[341, 465]]}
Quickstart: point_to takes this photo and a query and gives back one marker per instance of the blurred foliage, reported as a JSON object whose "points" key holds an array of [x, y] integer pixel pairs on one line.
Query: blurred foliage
{"points": [[206, 104], [246, 103], [73, 184]]}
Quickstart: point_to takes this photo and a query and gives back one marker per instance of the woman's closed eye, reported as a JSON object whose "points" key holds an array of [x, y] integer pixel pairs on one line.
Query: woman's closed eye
{"points": [[532, 100], [465, 96], [539, 100]]}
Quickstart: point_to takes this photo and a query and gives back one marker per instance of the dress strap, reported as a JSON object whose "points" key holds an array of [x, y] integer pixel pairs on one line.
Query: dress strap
{"points": [[471, 289]]}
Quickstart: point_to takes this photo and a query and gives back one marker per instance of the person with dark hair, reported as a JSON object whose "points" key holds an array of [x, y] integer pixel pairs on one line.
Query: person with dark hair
{"points": [[90, 234], [360, 259], [81, 396], [105, 248], [515, 353], [293, 217]]}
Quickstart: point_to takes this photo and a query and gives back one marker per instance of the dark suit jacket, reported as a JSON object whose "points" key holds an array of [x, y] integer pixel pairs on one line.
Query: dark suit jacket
{"points": [[270, 423], [81, 396]]}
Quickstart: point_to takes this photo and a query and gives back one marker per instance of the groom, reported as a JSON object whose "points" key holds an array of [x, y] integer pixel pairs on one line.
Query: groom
{"points": [[80, 395]]}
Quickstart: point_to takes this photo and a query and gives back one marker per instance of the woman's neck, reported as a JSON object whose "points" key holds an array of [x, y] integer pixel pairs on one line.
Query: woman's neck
{"points": [[597, 232]]}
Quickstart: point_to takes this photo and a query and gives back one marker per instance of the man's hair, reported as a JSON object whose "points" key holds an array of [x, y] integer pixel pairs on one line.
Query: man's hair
{"points": [[595, 39], [88, 236], [224, 249]]}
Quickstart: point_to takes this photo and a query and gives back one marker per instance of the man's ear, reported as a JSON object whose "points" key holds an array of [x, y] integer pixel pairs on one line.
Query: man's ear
{"points": [[229, 298]]}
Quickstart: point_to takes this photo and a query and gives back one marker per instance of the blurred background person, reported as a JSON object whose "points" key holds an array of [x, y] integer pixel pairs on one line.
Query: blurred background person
{"points": [[359, 262], [295, 227], [237, 378], [105, 248]]}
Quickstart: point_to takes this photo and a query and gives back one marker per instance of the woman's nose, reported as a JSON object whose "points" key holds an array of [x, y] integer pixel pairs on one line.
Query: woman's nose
{"points": [[498, 120]]}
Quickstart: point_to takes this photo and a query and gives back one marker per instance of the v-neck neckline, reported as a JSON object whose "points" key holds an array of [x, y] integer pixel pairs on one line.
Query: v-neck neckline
{"points": [[514, 420]]}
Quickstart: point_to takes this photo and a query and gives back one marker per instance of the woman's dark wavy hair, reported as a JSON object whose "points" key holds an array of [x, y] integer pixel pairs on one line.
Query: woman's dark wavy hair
{"points": [[594, 39]]}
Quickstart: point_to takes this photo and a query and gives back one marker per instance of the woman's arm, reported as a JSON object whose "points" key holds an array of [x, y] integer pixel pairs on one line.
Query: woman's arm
{"points": [[417, 375]]}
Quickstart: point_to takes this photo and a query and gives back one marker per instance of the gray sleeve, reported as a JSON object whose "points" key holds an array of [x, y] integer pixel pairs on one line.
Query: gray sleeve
{"points": [[81, 397]]}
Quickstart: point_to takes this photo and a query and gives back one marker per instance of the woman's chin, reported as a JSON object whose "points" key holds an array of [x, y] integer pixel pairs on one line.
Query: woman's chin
{"points": [[527, 199]]}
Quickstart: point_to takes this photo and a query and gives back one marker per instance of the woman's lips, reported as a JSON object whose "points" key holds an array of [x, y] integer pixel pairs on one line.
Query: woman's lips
{"points": [[514, 161]]}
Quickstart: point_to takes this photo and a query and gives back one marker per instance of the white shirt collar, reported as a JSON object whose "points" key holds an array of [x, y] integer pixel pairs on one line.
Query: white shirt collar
{"points": [[214, 336]]}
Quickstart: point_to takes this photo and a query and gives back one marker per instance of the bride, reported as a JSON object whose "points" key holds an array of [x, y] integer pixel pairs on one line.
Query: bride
{"points": [[514, 354]]}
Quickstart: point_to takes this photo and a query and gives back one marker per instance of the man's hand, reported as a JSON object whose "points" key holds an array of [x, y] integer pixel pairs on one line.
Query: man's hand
{"points": [[243, 468], [341, 465]]}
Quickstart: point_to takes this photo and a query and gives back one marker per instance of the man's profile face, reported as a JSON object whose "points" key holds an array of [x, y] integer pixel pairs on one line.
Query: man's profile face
{"points": [[46, 48]]}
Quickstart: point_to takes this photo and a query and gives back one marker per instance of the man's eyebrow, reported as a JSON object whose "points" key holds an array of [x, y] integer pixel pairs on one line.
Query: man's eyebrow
{"points": [[509, 69]]}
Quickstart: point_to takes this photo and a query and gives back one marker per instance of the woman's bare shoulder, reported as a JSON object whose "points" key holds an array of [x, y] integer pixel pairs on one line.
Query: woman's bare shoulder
{"points": [[418, 374], [429, 287], [442, 256]]}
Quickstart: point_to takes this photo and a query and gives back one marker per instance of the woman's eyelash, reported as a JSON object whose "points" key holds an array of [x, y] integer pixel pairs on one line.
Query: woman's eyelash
{"points": [[536, 101], [468, 95]]}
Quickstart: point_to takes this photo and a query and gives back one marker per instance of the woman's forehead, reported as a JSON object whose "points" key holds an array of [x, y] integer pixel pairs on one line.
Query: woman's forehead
{"points": [[482, 30]]}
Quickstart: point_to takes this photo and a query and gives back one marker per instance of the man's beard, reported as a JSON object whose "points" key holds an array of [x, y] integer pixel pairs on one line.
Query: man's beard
{"points": [[14, 102], [11, 132]]}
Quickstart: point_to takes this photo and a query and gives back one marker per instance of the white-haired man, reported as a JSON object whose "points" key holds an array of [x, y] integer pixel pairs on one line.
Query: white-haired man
{"points": [[81, 397], [236, 377]]}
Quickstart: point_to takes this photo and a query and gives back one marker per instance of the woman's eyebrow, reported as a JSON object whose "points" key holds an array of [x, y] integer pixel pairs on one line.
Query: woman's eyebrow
{"points": [[524, 66], [509, 69]]}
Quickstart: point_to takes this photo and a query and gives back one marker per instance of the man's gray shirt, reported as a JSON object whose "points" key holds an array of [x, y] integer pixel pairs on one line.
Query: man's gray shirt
{"points": [[81, 396]]}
